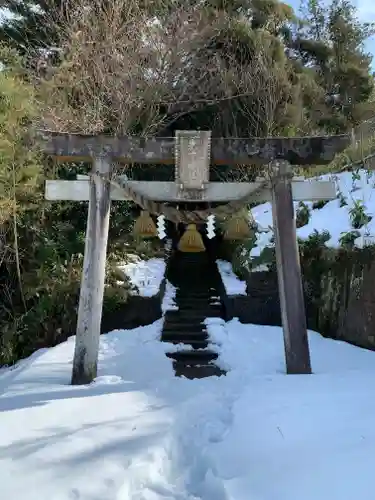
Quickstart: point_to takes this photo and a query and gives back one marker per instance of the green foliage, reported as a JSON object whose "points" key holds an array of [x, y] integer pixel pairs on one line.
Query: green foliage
{"points": [[266, 258], [342, 200], [302, 215], [318, 205], [356, 176], [19, 167], [332, 40], [358, 216], [241, 255], [20, 172], [347, 239], [42, 243], [342, 281], [315, 240], [312, 254]]}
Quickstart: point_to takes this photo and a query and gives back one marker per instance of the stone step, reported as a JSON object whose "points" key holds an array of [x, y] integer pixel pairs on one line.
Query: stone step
{"points": [[181, 269], [203, 294], [196, 323], [196, 301], [185, 337], [187, 316], [202, 284], [182, 326], [203, 309], [190, 264], [188, 292], [191, 258], [196, 357], [195, 344], [184, 314], [195, 371], [198, 282], [209, 275], [193, 284]]}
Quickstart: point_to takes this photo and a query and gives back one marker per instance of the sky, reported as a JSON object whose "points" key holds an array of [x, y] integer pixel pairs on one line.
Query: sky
{"points": [[366, 12], [366, 8]]}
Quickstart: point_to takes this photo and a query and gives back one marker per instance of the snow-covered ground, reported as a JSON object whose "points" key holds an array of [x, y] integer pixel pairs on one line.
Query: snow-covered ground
{"points": [[139, 433], [233, 285], [144, 275], [332, 217], [168, 303]]}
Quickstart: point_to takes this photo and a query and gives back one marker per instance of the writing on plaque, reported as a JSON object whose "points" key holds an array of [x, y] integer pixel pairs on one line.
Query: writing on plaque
{"points": [[192, 151]]}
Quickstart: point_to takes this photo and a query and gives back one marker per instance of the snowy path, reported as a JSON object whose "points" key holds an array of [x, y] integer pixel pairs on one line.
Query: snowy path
{"points": [[139, 433]]}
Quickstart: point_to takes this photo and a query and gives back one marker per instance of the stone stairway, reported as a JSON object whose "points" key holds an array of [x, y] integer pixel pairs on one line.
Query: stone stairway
{"points": [[196, 277]]}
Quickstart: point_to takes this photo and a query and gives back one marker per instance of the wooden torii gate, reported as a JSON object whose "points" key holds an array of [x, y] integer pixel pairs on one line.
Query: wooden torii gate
{"points": [[191, 152]]}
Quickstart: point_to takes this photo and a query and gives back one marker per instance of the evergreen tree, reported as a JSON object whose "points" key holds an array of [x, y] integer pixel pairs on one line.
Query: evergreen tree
{"points": [[331, 43], [248, 38], [20, 171], [41, 244]]}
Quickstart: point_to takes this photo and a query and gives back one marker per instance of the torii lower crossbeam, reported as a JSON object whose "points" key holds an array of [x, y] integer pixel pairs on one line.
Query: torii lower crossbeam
{"points": [[219, 192]]}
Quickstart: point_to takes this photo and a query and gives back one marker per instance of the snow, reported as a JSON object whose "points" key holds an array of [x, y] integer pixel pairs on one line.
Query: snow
{"points": [[332, 217], [233, 285], [139, 433], [145, 275], [168, 303]]}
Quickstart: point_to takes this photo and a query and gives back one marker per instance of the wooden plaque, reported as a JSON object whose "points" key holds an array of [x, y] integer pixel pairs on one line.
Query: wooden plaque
{"points": [[192, 156]]}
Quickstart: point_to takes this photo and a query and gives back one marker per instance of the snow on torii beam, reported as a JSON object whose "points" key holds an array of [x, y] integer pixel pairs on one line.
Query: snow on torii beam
{"points": [[316, 150]]}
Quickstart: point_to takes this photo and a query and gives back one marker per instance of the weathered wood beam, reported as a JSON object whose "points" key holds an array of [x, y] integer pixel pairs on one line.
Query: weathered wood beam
{"points": [[168, 191], [319, 150], [297, 355], [93, 276], [83, 177]]}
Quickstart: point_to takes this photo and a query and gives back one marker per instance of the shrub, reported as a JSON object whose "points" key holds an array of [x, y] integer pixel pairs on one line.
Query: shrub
{"points": [[358, 215], [302, 215]]}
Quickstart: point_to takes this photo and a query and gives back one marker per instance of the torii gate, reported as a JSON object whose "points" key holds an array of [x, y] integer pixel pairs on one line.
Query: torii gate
{"points": [[191, 152]]}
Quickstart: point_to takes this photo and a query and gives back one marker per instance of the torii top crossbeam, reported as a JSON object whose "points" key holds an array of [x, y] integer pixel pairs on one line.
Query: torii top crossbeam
{"points": [[192, 153], [316, 150]]}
